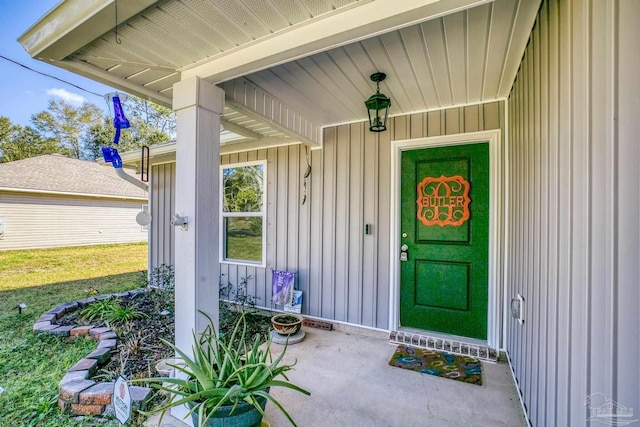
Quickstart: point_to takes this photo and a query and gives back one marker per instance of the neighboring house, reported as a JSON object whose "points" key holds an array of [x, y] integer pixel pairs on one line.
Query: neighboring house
{"points": [[52, 201], [509, 167]]}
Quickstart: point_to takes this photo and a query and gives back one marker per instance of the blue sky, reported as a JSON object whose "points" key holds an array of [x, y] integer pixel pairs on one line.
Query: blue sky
{"points": [[22, 92]]}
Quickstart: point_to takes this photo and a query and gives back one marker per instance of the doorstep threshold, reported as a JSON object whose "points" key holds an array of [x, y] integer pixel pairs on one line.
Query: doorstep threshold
{"points": [[451, 344]]}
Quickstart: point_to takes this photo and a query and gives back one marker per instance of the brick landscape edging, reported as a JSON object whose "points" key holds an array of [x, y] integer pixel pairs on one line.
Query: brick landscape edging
{"points": [[78, 393]]}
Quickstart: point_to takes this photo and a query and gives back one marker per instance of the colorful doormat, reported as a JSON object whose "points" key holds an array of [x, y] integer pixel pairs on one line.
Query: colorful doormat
{"points": [[438, 363]]}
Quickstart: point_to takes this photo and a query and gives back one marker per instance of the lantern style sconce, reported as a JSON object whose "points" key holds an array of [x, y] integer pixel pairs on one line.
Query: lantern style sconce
{"points": [[378, 106]]}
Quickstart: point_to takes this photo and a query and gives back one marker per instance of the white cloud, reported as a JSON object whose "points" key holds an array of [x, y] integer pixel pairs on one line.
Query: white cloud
{"points": [[65, 95]]}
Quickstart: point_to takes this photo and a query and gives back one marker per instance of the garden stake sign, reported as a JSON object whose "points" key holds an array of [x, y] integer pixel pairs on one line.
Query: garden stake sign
{"points": [[122, 400]]}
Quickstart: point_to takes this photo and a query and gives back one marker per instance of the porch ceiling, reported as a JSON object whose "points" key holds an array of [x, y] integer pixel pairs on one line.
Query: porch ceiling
{"points": [[466, 57], [436, 53]]}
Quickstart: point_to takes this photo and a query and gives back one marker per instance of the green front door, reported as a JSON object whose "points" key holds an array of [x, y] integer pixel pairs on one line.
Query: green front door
{"points": [[445, 239]]}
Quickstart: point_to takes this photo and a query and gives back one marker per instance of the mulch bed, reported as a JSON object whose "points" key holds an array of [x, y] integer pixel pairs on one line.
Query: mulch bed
{"points": [[139, 341]]}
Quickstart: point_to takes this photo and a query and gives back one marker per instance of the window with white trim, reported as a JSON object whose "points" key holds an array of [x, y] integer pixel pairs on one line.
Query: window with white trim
{"points": [[242, 220]]}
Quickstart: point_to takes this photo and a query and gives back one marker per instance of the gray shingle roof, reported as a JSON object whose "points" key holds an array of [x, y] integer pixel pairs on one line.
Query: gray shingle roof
{"points": [[53, 172]]}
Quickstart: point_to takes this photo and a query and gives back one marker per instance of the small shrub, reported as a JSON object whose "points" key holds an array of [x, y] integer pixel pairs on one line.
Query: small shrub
{"points": [[239, 295], [98, 310], [135, 344], [235, 303], [121, 314], [111, 311], [142, 279], [163, 277], [161, 299], [91, 291], [108, 373]]}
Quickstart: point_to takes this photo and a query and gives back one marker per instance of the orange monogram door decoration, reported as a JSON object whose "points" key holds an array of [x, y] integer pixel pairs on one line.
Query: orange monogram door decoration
{"points": [[443, 201]]}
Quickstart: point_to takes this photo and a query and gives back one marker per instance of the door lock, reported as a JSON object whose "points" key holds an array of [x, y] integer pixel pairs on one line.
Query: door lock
{"points": [[404, 255]]}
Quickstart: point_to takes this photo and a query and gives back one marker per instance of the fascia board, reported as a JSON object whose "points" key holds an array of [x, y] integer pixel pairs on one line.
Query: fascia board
{"points": [[72, 24]]}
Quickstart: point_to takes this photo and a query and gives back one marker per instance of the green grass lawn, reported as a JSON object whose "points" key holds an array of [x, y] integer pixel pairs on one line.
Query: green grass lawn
{"points": [[32, 365]]}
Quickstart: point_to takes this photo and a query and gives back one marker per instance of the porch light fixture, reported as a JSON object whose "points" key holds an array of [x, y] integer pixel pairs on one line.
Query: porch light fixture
{"points": [[378, 105]]}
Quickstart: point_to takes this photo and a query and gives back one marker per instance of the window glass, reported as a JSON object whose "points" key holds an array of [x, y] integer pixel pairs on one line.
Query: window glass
{"points": [[244, 238], [243, 188], [243, 217]]}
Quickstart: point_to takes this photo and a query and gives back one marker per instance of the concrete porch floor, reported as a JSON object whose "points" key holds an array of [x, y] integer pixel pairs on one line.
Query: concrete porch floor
{"points": [[351, 384]]}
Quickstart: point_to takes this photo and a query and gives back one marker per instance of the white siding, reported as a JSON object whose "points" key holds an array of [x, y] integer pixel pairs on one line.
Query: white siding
{"points": [[161, 206], [573, 209], [343, 272], [44, 221]]}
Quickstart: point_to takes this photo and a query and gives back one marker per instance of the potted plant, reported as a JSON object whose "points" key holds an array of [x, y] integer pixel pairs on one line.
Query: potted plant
{"points": [[286, 323], [225, 378]]}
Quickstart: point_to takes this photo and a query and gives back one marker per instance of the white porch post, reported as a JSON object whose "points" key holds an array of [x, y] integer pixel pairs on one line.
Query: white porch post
{"points": [[198, 105]]}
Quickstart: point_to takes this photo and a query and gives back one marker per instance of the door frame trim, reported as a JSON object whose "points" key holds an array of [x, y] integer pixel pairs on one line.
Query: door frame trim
{"points": [[496, 218]]}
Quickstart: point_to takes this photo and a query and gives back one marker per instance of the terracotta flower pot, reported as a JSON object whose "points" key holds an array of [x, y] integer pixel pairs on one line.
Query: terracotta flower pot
{"points": [[286, 323]]}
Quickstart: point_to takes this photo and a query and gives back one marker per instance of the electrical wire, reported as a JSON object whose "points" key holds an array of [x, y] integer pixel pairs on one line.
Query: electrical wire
{"points": [[146, 112], [49, 75]]}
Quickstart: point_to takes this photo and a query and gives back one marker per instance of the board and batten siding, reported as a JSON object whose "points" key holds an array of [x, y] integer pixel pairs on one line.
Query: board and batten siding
{"points": [[162, 204], [343, 272], [45, 221], [573, 203]]}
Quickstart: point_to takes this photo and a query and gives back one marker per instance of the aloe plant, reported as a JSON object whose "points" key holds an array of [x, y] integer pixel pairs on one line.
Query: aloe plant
{"points": [[221, 373]]}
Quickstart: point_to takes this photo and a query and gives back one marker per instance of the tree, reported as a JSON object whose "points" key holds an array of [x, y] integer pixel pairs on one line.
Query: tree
{"points": [[81, 132], [7, 130], [17, 142], [69, 126], [161, 119]]}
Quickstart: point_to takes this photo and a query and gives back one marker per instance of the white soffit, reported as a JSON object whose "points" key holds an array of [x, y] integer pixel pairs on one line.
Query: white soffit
{"points": [[313, 55], [467, 57], [162, 37]]}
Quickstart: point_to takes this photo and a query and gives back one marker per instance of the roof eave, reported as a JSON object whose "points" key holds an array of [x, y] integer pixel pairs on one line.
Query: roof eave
{"points": [[131, 158], [71, 193], [72, 24]]}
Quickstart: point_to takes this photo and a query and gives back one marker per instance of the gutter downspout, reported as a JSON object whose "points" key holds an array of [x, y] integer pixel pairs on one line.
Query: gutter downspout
{"points": [[122, 174]]}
